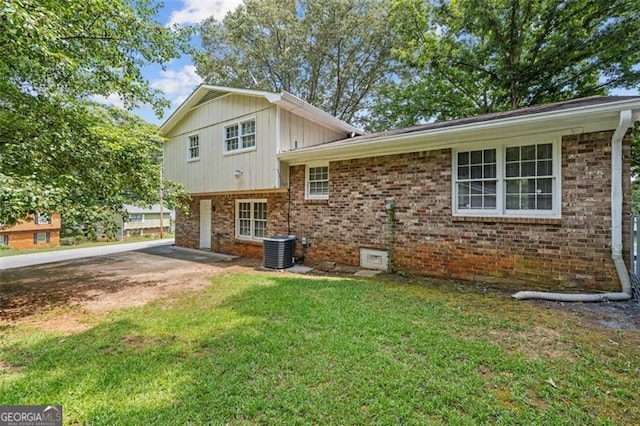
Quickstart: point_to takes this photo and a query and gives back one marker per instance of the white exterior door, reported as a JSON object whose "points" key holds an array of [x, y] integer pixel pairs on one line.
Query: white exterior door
{"points": [[205, 224]]}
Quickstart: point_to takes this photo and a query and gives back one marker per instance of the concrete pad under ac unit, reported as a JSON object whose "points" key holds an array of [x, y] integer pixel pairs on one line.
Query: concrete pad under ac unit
{"points": [[374, 259]]}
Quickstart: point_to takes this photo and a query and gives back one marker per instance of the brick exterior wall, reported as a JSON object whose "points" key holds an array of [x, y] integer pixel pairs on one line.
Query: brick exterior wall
{"points": [[569, 253], [21, 235], [223, 223]]}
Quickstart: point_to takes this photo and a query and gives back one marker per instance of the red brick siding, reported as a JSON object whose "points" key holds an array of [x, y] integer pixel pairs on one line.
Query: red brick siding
{"points": [[223, 238], [573, 251]]}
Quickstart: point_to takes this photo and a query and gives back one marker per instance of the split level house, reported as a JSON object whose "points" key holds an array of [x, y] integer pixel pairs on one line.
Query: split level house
{"points": [[43, 230], [538, 196]]}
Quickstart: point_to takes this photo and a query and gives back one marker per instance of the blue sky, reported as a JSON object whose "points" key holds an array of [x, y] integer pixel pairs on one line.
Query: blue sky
{"points": [[180, 77]]}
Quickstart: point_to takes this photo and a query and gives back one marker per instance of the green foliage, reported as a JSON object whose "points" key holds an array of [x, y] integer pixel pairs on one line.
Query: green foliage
{"points": [[58, 151], [464, 57], [332, 53]]}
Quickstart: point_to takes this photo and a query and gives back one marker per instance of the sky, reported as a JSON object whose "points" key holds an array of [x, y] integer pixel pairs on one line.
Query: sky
{"points": [[180, 78]]}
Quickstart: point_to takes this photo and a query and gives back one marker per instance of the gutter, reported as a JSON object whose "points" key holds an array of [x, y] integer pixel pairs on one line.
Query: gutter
{"points": [[624, 124]]}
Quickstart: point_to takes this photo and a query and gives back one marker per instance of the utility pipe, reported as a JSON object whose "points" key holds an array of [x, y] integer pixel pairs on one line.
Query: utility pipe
{"points": [[625, 122]]}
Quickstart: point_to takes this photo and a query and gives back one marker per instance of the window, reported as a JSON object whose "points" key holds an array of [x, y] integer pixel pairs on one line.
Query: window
{"points": [[136, 217], [4, 241], [42, 219], [514, 180], [194, 148], [240, 136], [251, 219], [41, 237], [317, 183]]}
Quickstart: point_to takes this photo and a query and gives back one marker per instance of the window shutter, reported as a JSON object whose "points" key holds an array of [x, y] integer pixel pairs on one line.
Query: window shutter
{"points": [[48, 237], [35, 238]]}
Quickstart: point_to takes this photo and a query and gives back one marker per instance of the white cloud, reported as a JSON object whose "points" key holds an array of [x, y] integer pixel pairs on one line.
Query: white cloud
{"points": [[113, 99], [177, 85], [195, 11]]}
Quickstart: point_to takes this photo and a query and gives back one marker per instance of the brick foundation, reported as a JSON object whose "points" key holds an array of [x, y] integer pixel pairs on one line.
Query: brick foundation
{"points": [[223, 232]]}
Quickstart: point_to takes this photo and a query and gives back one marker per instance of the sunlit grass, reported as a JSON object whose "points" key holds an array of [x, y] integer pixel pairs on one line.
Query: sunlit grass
{"points": [[280, 349]]}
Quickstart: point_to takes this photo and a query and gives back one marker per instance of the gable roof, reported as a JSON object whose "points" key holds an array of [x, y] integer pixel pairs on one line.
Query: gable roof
{"points": [[592, 111], [285, 100]]}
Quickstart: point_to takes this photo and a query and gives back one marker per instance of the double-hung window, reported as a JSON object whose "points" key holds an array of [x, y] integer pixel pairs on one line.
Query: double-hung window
{"points": [[317, 182], [193, 150], [240, 136], [251, 219], [508, 180]]}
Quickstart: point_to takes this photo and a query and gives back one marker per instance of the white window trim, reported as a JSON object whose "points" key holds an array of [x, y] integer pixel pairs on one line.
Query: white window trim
{"points": [[189, 158], [43, 219], [307, 195], [237, 218], [237, 122], [500, 210], [44, 239]]}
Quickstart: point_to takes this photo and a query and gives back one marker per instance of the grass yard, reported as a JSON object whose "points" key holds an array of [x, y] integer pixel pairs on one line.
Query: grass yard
{"points": [[266, 348]]}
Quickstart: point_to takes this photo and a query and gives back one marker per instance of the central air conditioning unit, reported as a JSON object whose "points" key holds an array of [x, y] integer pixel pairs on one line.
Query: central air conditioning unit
{"points": [[279, 252]]}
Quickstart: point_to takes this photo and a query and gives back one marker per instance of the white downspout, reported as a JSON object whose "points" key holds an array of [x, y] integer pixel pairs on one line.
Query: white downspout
{"points": [[626, 121]]}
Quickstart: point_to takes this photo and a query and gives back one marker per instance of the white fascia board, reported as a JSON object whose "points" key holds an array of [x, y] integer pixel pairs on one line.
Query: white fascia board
{"points": [[575, 120]]}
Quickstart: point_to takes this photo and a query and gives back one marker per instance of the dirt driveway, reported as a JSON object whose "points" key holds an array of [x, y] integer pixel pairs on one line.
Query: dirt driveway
{"points": [[77, 289], [101, 284]]}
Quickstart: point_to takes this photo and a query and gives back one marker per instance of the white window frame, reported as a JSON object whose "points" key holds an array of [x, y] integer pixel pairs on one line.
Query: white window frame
{"points": [[252, 219], [43, 219], [39, 240], [133, 217], [501, 210], [190, 157], [307, 182], [241, 137]]}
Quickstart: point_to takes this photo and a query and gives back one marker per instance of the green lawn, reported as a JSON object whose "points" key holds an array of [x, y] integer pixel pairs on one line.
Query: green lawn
{"points": [[260, 348]]}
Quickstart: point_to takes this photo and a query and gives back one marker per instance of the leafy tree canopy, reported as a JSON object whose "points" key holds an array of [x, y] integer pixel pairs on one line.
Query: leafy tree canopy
{"points": [[59, 152], [332, 53], [464, 57]]}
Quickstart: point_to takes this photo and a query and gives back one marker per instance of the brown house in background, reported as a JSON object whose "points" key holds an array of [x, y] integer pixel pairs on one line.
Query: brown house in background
{"points": [[42, 231]]}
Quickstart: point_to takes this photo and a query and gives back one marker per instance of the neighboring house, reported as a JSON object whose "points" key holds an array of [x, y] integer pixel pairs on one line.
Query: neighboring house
{"points": [[41, 231], [145, 221], [537, 196]]}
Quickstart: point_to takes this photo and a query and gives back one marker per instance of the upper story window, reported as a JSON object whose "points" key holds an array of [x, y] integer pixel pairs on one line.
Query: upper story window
{"points": [[508, 180], [317, 182], [43, 219], [193, 151], [136, 217], [240, 136]]}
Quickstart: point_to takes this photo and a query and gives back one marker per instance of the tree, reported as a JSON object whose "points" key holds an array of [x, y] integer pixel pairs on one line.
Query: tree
{"points": [[465, 57], [59, 152], [332, 53]]}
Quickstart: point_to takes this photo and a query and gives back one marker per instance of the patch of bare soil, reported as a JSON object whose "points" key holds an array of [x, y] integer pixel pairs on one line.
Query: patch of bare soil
{"points": [[613, 315], [101, 284]]}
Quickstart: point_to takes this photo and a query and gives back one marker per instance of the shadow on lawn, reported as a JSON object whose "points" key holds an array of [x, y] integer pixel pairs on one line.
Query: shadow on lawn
{"points": [[279, 350]]}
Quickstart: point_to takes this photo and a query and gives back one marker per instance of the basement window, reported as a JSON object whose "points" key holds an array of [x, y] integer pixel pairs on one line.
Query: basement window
{"points": [[251, 219]]}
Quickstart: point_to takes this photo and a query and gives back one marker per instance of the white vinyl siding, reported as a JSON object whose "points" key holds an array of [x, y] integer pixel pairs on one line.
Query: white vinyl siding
{"points": [[251, 219], [214, 172], [193, 151], [317, 182], [240, 137], [520, 180]]}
